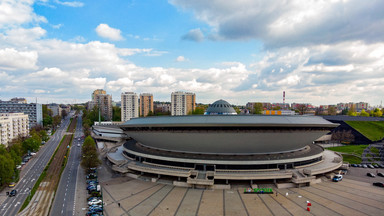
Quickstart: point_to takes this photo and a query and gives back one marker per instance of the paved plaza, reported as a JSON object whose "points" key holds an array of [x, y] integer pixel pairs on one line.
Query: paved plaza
{"points": [[137, 197]]}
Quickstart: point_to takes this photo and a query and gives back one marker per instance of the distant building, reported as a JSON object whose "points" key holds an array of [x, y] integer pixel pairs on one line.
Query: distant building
{"points": [[279, 112], [163, 107], [358, 106], [13, 125], [146, 104], [129, 106], [33, 110], [105, 103], [55, 108], [19, 100], [97, 92], [182, 103]]}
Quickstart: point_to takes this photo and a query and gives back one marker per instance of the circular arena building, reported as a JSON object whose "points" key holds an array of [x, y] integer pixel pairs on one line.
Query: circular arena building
{"points": [[220, 148]]}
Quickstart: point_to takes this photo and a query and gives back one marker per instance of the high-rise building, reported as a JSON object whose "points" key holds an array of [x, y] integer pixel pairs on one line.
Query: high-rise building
{"points": [[129, 106], [97, 92], [146, 104], [19, 100], [104, 101], [182, 103], [33, 110], [13, 125]]}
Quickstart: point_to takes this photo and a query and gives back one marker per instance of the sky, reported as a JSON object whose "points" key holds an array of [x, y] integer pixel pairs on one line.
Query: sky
{"points": [[319, 52]]}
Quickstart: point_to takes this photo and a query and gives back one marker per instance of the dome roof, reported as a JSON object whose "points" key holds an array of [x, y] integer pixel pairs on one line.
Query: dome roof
{"points": [[220, 107]]}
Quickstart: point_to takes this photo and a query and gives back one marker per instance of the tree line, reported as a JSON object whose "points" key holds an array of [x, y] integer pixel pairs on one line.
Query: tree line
{"points": [[11, 156]]}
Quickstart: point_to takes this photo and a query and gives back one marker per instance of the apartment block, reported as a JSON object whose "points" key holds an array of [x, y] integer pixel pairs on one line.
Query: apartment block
{"points": [[33, 110], [129, 106], [146, 104], [13, 125], [182, 103], [104, 101]]}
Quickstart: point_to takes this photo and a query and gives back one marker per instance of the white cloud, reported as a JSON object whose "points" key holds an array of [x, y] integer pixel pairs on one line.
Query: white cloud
{"points": [[12, 59], [181, 59], [103, 30], [71, 3], [17, 12], [290, 23]]}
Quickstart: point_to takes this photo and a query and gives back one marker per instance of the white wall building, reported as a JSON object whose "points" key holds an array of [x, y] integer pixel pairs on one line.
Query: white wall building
{"points": [[182, 103], [13, 125], [33, 110], [129, 106]]}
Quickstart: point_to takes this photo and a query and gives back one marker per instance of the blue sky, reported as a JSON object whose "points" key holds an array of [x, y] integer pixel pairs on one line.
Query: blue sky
{"points": [[240, 51]]}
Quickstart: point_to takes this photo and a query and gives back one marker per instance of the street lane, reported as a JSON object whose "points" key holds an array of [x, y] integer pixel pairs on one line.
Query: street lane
{"points": [[65, 196], [31, 172]]}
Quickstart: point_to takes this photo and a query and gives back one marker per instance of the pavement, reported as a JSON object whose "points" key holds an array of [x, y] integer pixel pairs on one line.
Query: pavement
{"points": [[347, 197], [30, 173]]}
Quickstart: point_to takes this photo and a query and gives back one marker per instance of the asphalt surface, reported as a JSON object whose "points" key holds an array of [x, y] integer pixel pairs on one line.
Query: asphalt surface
{"points": [[30, 173], [65, 196]]}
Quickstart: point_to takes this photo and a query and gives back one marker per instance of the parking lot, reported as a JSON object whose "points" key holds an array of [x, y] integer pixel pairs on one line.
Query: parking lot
{"points": [[360, 174]]}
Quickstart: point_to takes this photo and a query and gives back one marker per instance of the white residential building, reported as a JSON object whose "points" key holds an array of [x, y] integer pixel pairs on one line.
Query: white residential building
{"points": [[129, 106], [13, 125], [182, 103], [33, 110]]}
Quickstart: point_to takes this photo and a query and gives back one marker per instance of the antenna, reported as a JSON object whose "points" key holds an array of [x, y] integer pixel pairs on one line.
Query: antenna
{"points": [[283, 99]]}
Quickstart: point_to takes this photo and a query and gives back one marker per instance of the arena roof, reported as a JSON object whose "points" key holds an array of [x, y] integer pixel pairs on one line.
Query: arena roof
{"points": [[229, 121], [220, 107]]}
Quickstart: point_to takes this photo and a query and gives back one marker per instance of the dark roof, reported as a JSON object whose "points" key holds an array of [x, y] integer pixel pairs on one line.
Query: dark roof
{"points": [[228, 120], [351, 118], [220, 107]]}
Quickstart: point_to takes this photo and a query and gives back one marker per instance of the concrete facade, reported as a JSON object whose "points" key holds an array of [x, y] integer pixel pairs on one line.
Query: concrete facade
{"points": [[33, 110], [129, 106], [146, 104], [182, 103], [13, 125]]}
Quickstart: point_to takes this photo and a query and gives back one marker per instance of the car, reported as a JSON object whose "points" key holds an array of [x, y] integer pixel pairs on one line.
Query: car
{"points": [[12, 184], [18, 167], [379, 184], [92, 181], [91, 176], [381, 166], [337, 178], [23, 163], [371, 166], [32, 153], [359, 165], [43, 142], [78, 145], [94, 202], [364, 166], [95, 206], [91, 213], [344, 172], [371, 175], [12, 193], [376, 166], [92, 198], [354, 165], [380, 174]]}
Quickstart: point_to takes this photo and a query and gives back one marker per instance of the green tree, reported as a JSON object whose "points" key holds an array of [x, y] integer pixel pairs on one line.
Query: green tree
{"points": [[332, 110], [90, 155], [199, 110], [344, 111], [7, 166], [116, 113], [258, 108], [363, 113]]}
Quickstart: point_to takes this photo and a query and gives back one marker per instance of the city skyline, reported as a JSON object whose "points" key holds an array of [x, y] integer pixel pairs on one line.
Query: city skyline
{"points": [[317, 52]]}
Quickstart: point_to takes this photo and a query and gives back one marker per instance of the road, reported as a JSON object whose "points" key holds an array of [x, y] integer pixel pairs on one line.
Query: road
{"points": [[65, 197], [31, 172]]}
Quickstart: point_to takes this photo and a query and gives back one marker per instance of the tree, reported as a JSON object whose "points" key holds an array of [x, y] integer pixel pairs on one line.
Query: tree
{"points": [[302, 108], [343, 136], [331, 110], [90, 155], [7, 166], [363, 113], [116, 113], [377, 112], [276, 108], [344, 111], [258, 108], [199, 110]]}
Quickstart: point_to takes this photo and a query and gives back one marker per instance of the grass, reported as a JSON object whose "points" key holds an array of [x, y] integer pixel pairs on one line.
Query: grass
{"points": [[349, 149], [351, 159], [375, 150], [373, 130]]}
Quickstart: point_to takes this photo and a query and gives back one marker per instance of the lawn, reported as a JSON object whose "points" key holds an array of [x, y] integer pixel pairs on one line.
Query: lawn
{"points": [[351, 159], [375, 150], [350, 149], [373, 130]]}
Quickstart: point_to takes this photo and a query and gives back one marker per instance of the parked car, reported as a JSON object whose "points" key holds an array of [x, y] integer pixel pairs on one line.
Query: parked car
{"points": [[18, 167], [337, 178], [380, 174], [344, 172], [364, 166], [371, 166], [94, 202], [12, 184], [91, 213], [381, 166], [371, 175], [354, 165], [376, 166], [91, 176], [93, 198], [95, 208], [379, 184], [92, 181], [32, 153], [12, 193]]}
